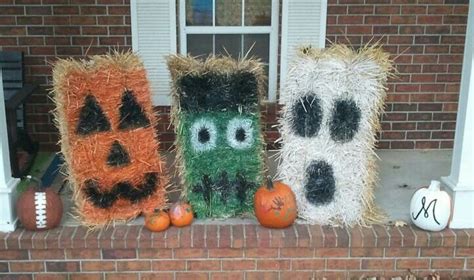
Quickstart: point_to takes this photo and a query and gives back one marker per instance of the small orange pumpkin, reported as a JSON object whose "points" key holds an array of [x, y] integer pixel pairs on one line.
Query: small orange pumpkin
{"points": [[157, 221], [181, 214], [275, 205]]}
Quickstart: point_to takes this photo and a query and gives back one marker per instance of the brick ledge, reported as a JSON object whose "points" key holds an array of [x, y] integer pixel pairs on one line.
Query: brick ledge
{"points": [[235, 236]]}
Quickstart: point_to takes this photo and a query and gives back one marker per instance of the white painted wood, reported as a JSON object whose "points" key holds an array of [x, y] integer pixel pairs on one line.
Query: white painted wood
{"points": [[153, 38], [272, 30], [273, 55], [8, 184], [303, 22], [228, 29], [461, 179]]}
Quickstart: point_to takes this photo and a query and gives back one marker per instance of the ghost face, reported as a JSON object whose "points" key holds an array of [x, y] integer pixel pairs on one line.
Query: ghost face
{"points": [[328, 126], [112, 150]]}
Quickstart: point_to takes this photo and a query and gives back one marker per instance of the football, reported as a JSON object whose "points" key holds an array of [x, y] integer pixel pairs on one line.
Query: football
{"points": [[39, 209]]}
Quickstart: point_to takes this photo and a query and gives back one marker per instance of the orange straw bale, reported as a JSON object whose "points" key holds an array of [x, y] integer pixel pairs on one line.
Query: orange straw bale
{"points": [[106, 78]]}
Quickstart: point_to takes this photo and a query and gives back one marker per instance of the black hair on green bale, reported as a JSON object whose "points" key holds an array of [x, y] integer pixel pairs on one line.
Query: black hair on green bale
{"points": [[218, 92], [92, 118]]}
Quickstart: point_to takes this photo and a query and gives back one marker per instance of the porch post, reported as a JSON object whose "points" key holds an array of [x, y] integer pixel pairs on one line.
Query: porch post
{"points": [[7, 182], [461, 179]]}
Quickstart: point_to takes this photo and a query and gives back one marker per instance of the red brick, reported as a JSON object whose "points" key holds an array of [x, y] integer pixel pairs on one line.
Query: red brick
{"points": [[225, 236], [119, 254], [191, 276], [121, 276], [155, 253], [447, 263], [85, 276], [47, 254], [98, 266], [367, 252], [413, 264], [26, 266], [129, 265], [157, 275], [182, 253], [83, 253], [296, 252], [299, 275], [377, 264], [465, 252], [226, 253], [331, 252], [206, 265], [50, 276], [314, 264], [344, 264], [238, 264], [166, 265], [227, 275], [63, 266], [263, 275], [261, 253], [437, 252], [14, 255], [401, 252]]}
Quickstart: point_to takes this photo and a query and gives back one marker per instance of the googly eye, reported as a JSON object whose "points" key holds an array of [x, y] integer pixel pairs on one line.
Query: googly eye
{"points": [[203, 135], [240, 133]]}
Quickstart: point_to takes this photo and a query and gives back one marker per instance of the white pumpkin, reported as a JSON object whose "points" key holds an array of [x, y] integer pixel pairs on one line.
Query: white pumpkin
{"points": [[430, 208]]}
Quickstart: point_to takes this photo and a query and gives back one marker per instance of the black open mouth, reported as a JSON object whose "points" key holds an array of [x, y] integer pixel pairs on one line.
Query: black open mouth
{"points": [[320, 183], [223, 187], [124, 190]]}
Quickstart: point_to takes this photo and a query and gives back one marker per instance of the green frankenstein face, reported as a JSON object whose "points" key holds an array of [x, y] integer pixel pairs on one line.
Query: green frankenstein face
{"points": [[220, 140]]}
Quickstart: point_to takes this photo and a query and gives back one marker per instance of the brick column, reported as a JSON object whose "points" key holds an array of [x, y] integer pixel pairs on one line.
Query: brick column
{"points": [[461, 179], [7, 183]]}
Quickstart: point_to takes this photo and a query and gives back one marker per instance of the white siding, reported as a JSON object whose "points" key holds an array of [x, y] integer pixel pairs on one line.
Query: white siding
{"points": [[303, 22], [153, 38]]}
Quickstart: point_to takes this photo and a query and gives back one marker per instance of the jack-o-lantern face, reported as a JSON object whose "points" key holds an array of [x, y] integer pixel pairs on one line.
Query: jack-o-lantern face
{"points": [[105, 116]]}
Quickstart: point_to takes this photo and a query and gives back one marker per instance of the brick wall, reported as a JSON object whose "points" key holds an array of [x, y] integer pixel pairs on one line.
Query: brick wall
{"points": [[236, 251], [426, 38]]}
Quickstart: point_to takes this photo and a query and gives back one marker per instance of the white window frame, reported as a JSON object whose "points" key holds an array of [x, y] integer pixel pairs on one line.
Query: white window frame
{"points": [[272, 30]]}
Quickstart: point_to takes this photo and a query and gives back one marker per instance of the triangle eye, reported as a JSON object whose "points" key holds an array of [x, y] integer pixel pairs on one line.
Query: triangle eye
{"points": [[92, 118], [131, 113], [118, 156]]}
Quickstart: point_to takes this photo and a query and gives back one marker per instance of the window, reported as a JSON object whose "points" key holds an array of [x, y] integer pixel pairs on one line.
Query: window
{"points": [[232, 27]]}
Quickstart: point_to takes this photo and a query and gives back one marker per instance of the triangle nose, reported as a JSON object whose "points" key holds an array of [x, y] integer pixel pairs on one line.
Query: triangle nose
{"points": [[118, 155]]}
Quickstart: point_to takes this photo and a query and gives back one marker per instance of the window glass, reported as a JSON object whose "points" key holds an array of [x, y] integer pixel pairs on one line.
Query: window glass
{"points": [[228, 12], [228, 44], [199, 44], [258, 12], [257, 45], [199, 12]]}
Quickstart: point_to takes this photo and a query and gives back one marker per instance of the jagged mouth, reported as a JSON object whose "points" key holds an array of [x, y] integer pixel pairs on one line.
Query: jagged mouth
{"points": [[121, 190], [222, 187]]}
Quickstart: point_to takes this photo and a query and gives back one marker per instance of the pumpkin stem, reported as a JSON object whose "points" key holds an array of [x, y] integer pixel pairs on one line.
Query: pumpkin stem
{"points": [[39, 185], [269, 183]]}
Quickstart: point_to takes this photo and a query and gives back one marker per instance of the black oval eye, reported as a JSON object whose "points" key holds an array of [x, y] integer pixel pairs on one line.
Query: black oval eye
{"points": [[203, 135], [345, 120], [307, 116], [240, 135]]}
